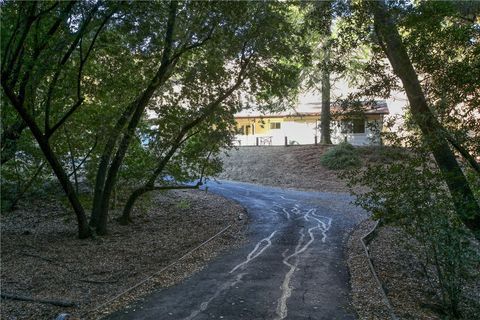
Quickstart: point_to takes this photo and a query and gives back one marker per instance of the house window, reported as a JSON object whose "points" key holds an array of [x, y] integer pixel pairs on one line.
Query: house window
{"points": [[274, 125], [358, 126], [241, 130], [354, 126]]}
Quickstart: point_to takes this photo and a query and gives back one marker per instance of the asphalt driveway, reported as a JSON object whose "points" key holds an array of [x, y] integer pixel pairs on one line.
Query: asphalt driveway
{"points": [[292, 267]]}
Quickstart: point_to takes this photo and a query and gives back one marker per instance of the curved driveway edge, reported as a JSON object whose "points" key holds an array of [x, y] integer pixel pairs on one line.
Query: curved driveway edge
{"points": [[292, 267]]}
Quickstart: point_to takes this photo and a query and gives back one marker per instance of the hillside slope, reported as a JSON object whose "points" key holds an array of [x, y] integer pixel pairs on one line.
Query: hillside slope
{"points": [[290, 167]]}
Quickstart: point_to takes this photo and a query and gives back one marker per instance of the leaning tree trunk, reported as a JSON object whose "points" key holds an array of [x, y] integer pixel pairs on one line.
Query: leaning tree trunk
{"points": [[126, 215], [150, 185], [107, 176], [179, 140], [466, 206], [50, 156]]}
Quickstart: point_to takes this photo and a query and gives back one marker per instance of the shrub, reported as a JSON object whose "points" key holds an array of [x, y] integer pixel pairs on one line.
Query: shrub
{"points": [[341, 156]]}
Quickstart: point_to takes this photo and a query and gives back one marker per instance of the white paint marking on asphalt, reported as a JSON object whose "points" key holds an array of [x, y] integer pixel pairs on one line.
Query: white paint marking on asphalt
{"points": [[326, 226], [223, 287], [287, 198], [282, 309], [286, 289], [256, 252]]}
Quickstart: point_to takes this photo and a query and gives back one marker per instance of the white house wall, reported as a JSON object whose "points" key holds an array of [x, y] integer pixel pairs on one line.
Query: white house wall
{"points": [[304, 133]]}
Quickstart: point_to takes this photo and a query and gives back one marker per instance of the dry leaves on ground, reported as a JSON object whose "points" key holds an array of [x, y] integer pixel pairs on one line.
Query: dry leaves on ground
{"points": [[42, 258]]}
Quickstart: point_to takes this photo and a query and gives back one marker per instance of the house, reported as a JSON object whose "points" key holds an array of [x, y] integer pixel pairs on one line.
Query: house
{"points": [[303, 127]]}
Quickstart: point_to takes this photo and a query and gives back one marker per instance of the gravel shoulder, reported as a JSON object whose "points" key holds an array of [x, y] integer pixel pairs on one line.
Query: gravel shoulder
{"points": [[42, 258]]}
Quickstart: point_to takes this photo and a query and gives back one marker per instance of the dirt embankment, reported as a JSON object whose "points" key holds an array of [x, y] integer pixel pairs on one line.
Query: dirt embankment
{"points": [[42, 258], [290, 167]]}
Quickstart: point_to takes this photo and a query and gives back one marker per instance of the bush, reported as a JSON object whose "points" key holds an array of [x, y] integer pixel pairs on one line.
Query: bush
{"points": [[341, 156]]}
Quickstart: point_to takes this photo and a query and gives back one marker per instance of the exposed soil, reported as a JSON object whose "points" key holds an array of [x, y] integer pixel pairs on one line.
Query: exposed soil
{"points": [[42, 258], [290, 167]]}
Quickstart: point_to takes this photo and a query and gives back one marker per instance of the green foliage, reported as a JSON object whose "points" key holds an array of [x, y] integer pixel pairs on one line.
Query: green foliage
{"points": [[341, 156], [381, 154], [24, 175], [441, 39], [409, 192], [104, 55]]}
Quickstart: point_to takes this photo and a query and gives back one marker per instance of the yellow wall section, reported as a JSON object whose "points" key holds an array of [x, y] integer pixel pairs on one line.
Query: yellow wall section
{"points": [[262, 125]]}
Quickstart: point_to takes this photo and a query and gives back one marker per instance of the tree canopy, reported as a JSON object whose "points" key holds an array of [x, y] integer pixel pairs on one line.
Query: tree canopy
{"points": [[100, 92]]}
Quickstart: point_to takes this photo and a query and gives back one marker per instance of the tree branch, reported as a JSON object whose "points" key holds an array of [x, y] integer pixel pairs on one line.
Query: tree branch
{"points": [[9, 42], [83, 61], [85, 158], [464, 152], [65, 117], [193, 45], [81, 32], [29, 21]]}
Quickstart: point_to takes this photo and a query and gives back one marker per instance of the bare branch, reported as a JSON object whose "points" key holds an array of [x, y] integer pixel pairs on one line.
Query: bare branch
{"points": [[59, 303], [174, 187]]}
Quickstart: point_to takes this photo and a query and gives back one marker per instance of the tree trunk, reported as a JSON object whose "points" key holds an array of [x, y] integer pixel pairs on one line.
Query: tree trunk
{"points": [[466, 206], [102, 195], [149, 186], [325, 115], [83, 228], [105, 161], [326, 48], [126, 217], [179, 140]]}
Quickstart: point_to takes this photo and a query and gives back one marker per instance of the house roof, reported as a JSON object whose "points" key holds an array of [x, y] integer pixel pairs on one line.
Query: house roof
{"points": [[378, 107]]}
